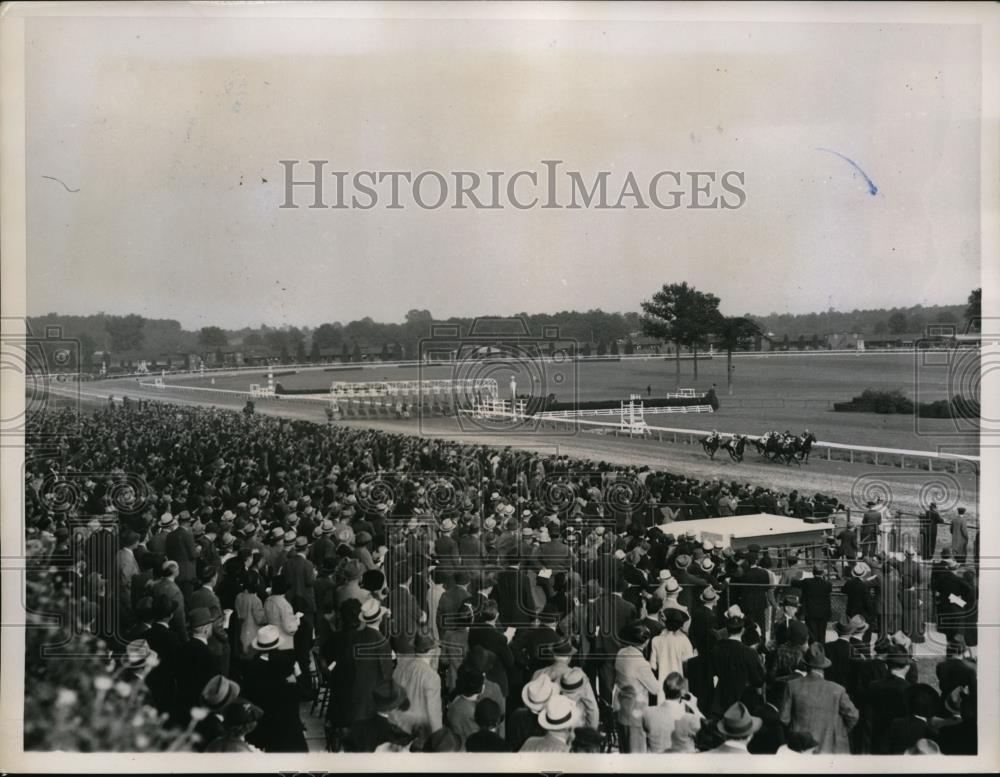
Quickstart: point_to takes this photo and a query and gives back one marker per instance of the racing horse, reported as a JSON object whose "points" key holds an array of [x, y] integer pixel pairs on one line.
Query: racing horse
{"points": [[711, 443], [734, 447], [806, 439]]}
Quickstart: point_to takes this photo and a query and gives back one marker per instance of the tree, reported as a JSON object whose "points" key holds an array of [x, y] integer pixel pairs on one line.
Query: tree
{"points": [[802, 342], [974, 310], [253, 340], [602, 347], [212, 337], [736, 332], [614, 347], [384, 353], [784, 342], [898, 323], [345, 354], [126, 332], [87, 346], [815, 342], [629, 347], [328, 335], [683, 315], [356, 353], [881, 327], [585, 349], [314, 354]]}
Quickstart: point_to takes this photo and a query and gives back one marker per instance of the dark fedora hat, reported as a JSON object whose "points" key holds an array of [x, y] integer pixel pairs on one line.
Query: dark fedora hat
{"points": [[815, 657]]}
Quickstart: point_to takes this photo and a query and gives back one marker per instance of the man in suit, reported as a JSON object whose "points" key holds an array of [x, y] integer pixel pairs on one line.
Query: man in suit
{"points": [[738, 727], [887, 699], [871, 521], [445, 547], [840, 653], [405, 614], [904, 732], [181, 547], [736, 666], [606, 616], [197, 664], [514, 593], [858, 594], [816, 608], [960, 536], [470, 546], [818, 706], [690, 583], [929, 531], [206, 597], [266, 684], [486, 634], [755, 590]]}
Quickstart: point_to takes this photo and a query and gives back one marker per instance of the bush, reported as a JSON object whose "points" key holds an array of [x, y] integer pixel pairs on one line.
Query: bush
{"points": [[895, 402]]}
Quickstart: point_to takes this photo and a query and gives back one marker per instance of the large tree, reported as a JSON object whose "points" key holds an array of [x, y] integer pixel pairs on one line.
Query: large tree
{"points": [[126, 332], [974, 309], [898, 323], [212, 337], [735, 332], [683, 315]]}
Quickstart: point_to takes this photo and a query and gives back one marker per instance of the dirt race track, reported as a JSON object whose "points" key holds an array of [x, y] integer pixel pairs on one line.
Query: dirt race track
{"points": [[853, 484], [793, 391]]}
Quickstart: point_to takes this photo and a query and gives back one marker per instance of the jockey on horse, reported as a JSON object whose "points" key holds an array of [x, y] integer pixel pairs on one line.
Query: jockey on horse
{"points": [[711, 443], [734, 446]]}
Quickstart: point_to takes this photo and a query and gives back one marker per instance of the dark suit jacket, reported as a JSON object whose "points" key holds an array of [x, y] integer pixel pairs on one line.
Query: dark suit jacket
{"points": [[841, 669], [858, 599], [197, 664], [532, 647], [365, 735], [903, 733], [180, 547], [492, 639], [754, 590], [404, 618], [739, 670], [886, 700], [606, 617], [704, 622], [816, 593], [514, 598], [280, 729]]}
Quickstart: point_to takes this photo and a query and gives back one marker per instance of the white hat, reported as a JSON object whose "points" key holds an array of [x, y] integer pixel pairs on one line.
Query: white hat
{"points": [[372, 610], [537, 693], [665, 574], [559, 714], [706, 545], [490, 522]]}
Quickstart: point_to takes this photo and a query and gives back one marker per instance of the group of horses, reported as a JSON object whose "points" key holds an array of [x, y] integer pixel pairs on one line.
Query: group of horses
{"points": [[784, 447]]}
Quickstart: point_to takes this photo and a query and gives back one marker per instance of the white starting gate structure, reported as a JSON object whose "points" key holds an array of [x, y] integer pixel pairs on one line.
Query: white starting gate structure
{"points": [[402, 397], [498, 409], [485, 388], [632, 415]]}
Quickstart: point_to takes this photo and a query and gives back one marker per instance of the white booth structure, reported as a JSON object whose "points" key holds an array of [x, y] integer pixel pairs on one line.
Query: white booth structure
{"points": [[739, 531]]}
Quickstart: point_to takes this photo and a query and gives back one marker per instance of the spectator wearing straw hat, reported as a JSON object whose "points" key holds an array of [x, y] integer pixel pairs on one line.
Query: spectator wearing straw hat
{"points": [[575, 686], [522, 724], [858, 593], [558, 720], [269, 685], [822, 708]]}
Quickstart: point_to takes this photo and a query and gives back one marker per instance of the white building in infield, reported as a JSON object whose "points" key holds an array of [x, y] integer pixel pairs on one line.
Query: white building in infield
{"points": [[739, 531]]}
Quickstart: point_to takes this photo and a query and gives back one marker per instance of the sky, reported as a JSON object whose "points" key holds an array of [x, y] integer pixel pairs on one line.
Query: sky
{"points": [[172, 130]]}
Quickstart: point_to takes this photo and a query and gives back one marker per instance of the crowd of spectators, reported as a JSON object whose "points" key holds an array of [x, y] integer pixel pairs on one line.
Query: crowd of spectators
{"points": [[428, 595]]}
